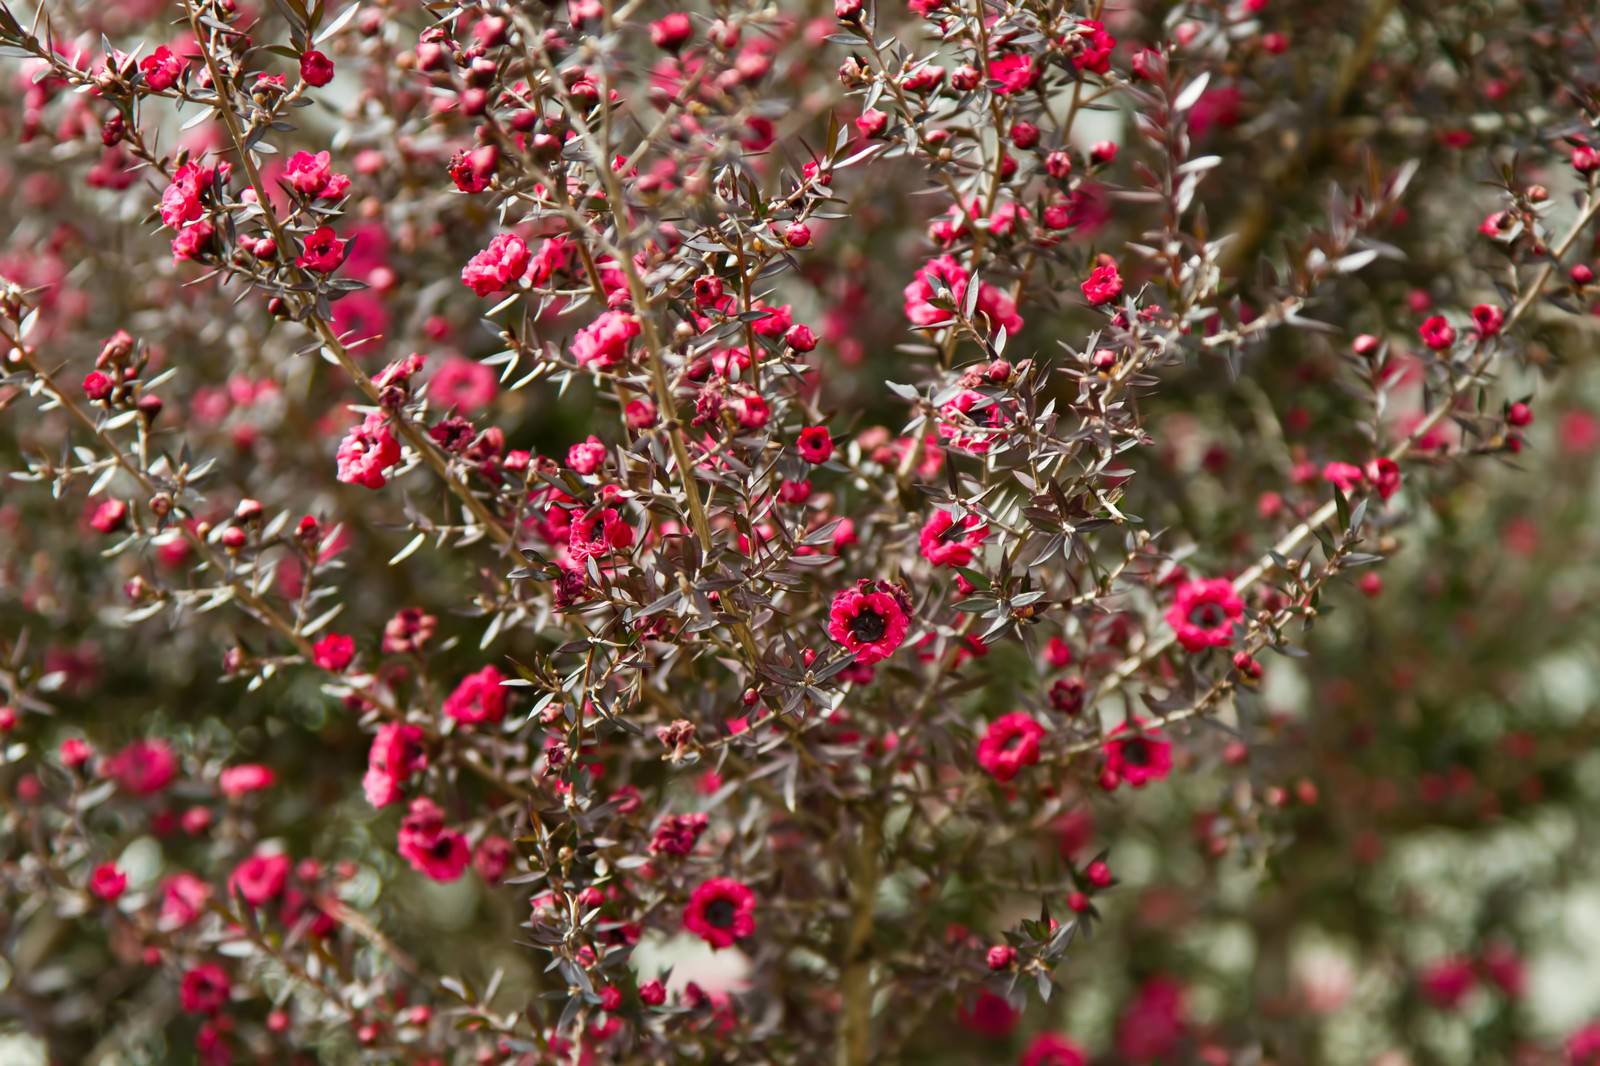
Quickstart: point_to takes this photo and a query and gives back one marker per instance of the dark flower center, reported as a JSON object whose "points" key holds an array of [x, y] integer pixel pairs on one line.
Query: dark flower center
{"points": [[720, 912], [868, 626], [1136, 751], [1207, 615], [441, 848]]}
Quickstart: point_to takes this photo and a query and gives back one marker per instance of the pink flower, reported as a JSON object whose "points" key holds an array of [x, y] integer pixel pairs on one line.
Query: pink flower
{"points": [[1447, 982], [321, 252], [334, 652], [1053, 1049], [1153, 1022], [677, 834], [945, 270], [1203, 613], [870, 620], [428, 846], [721, 912], [1136, 755], [1010, 743], [946, 542], [1437, 333], [236, 781], [815, 444], [260, 878], [161, 69], [492, 857], [309, 174], [395, 755], [367, 453], [1103, 285], [1346, 476], [587, 456], [193, 241], [144, 767], [204, 989], [478, 698], [183, 899], [497, 267], [1094, 47], [107, 882], [464, 385], [316, 68], [1013, 72], [1384, 474], [603, 343]]}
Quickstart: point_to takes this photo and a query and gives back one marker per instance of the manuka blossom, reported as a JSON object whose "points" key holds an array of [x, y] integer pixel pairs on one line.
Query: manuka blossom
{"points": [[603, 343], [395, 755], [107, 882], [815, 444], [1103, 285], [993, 304], [144, 767], [428, 846], [498, 267], [1136, 755], [260, 878], [367, 453], [321, 252], [1203, 613], [1010, 743], [946, 541], [870, 620], [478, 698], [204, 989], [721, 912]]}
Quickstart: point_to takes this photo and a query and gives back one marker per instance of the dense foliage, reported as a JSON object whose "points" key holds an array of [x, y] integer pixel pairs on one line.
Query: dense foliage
{"points": [[943, 532]]}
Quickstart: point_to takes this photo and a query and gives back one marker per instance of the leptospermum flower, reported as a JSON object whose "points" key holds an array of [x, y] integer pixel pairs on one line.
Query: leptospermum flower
{"points": [[1203, 613], [397, 752], [1010, 743], [1136, 755], [721, 912], [478, 698], [428, 846], [368, 452], [1103, 285], [947, 542], [870, 620]]}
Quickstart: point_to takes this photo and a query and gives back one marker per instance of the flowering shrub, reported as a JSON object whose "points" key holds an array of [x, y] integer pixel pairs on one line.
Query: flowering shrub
{"points": [[589, 532]]}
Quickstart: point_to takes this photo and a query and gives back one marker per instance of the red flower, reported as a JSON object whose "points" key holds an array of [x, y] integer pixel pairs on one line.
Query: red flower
{"points": [[988, 1015], [395, 755], [953, 278], [316, 68], [235, 781], [498, 266], [428, 846], [1488, 319], [1136, 755], [671, 31], [1012, 72], [107, 882], [1053, 1049], [109, 517], [1153, 1023], [870, 620], [144, 767], [161, 69], [1347, 476], [945, 542], [1447, 982], [1203, 612], [204, 989], [1095, 47], [678, 833], [367, 453], [1437, 333], [815, 444], [493, 856], [1103, 286], [478, 698], [1384, 474], [603, 343], [183, 898], [334, 652], [1010, 743], [721, 912], [309, 174], [260, 878], [322, 252], [97, 386]]}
